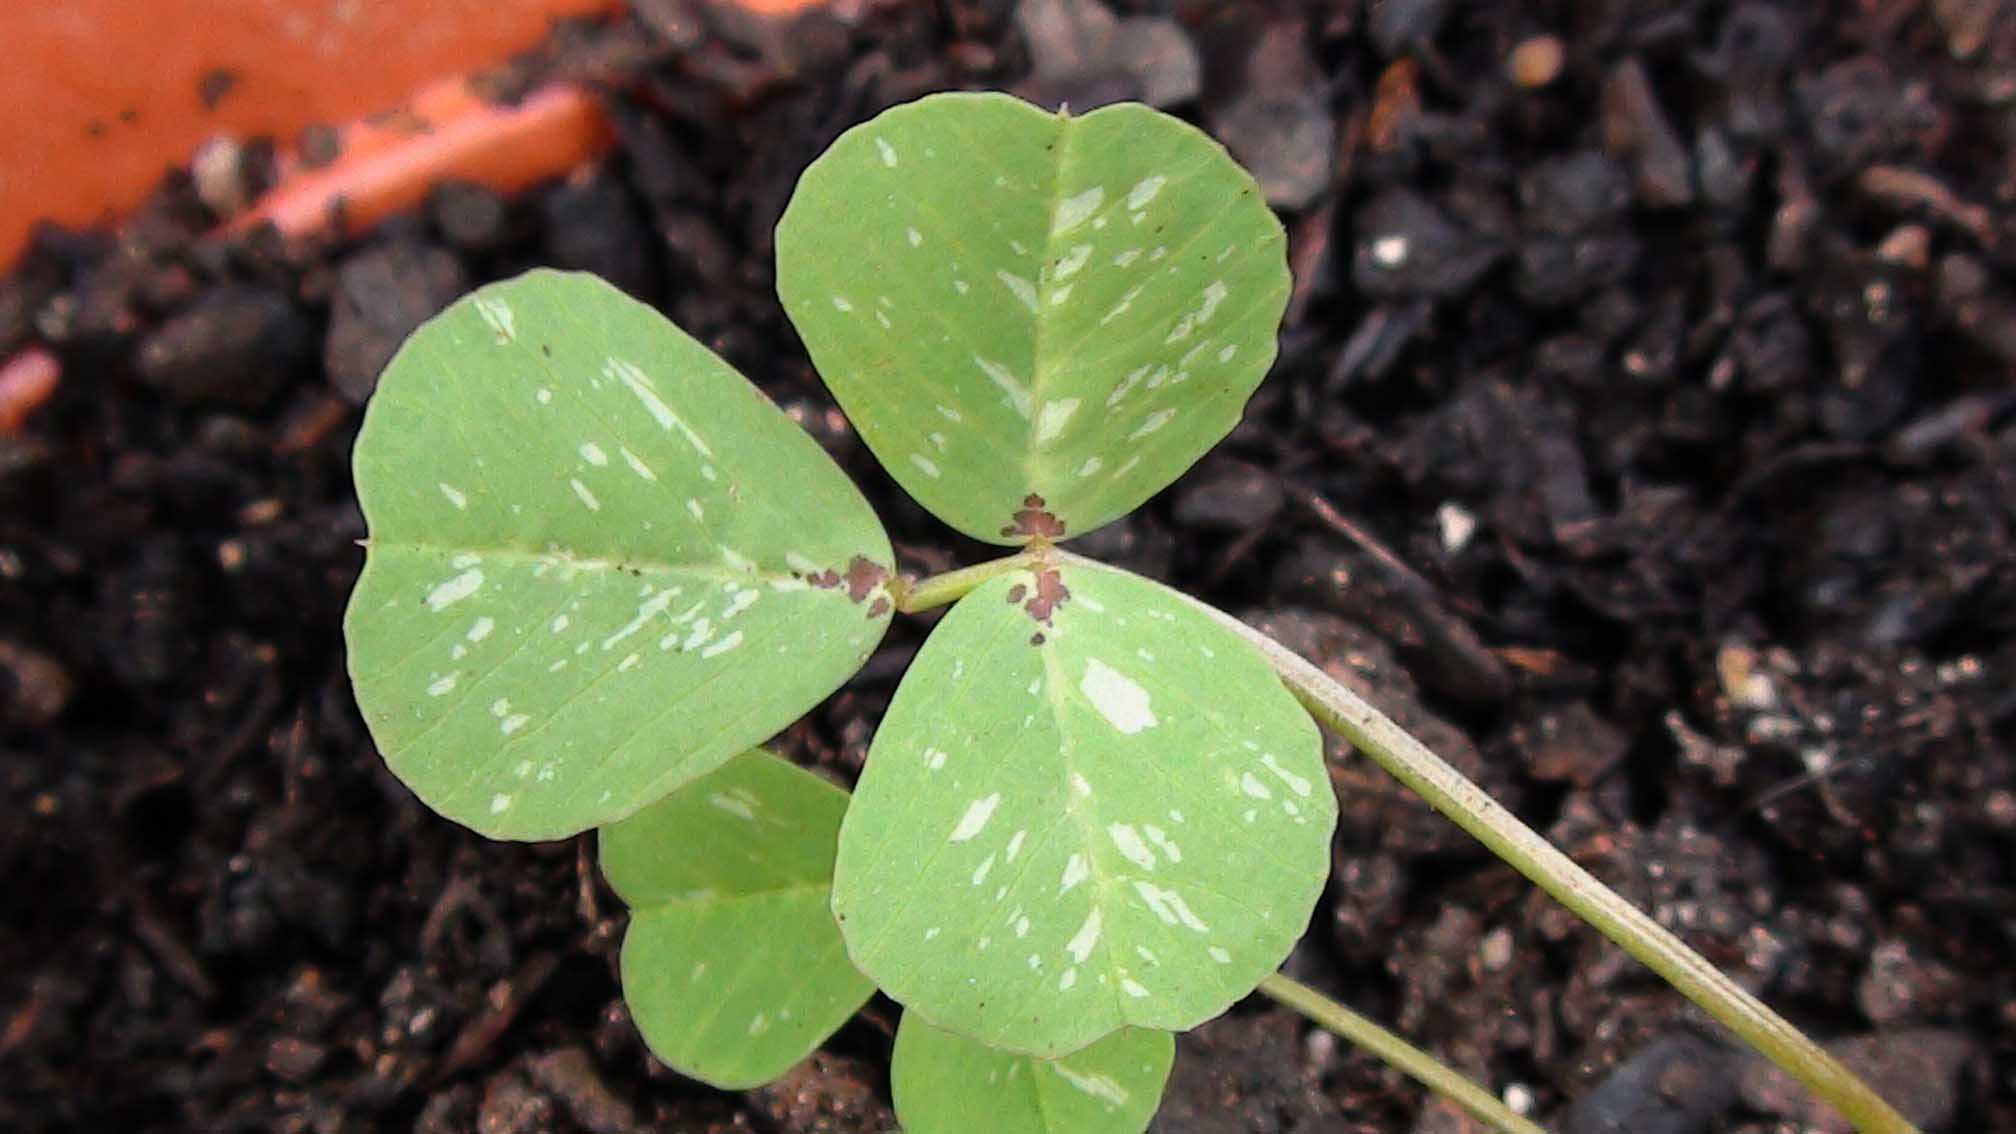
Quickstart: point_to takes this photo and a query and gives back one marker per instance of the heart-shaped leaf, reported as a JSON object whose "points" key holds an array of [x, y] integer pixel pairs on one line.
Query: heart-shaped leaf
{"points": [[1036, 321], [600, 564], [733, 967], [1112, 1087], [1087, 807]]}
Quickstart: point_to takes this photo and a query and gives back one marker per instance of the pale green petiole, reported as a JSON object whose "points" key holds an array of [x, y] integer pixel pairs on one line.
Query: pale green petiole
{"points": [[1422, 1067], [942, 590]]}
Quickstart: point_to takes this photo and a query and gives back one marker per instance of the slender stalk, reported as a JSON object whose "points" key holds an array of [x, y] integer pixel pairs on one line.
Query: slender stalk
{"points": [[1473, 809], [938, 590], [1424, 1068]]}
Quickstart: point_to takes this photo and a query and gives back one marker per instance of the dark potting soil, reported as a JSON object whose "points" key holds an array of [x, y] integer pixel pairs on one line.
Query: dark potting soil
{"points": [[1642, 437]]}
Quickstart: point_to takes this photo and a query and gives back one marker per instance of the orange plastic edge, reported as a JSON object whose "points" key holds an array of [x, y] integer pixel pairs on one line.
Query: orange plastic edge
{"points": [[448, 132], [100, 98]]}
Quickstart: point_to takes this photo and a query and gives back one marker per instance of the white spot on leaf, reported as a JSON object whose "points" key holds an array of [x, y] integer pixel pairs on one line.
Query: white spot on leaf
{"points": [[723, 646], [1298, 784], [637, 465], [640, 384], [736, 805], [1145, 190], [1018, 394], [1081, 943], [1151, 423], [445, 595], [499, 316], [1023, 290], [1101, 1087], [1128, 842], [1118, 697], [975, 820], [1075, 871], [1055, 416], [1076, 209]]}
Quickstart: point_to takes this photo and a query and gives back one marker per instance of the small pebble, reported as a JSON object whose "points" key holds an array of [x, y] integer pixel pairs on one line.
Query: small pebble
{"points": [[1536, 62]]}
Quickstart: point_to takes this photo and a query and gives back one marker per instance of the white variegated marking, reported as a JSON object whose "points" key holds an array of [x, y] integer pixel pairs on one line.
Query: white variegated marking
{"points": [[1076, 209], [975, 819], [1081, 943], [1075, 871], [1101, 1087], [1145, 190], [447, 594], [637, 465], [1128, 842], [722, 646], [1055, 416], [1071, 262], [640, 384], [1023, 291], [1001, 376], [1298, 784], [499, 316], [1151, 423], [1119, 698]]}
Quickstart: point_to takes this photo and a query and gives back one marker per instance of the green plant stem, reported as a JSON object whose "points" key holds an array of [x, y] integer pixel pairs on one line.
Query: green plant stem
{"points": [[938, 590], [1473, 809], [1423, 1067]]}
